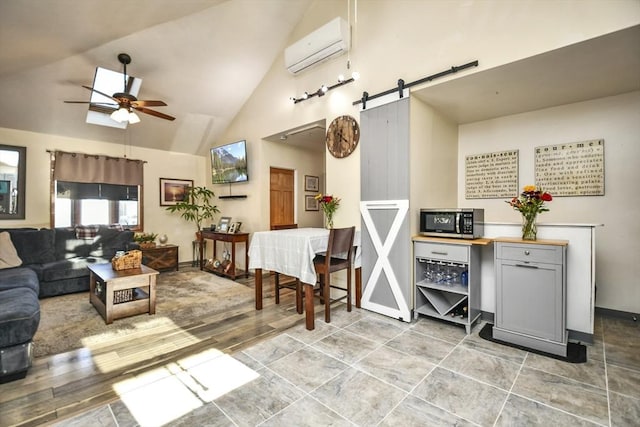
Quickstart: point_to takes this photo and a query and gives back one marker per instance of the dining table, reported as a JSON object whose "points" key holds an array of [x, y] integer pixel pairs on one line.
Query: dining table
{"points": [[291, 252]]}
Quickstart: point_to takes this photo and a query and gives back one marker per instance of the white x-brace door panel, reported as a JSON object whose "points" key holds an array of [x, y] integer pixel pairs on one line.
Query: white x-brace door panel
{"points": [[382, 260]]}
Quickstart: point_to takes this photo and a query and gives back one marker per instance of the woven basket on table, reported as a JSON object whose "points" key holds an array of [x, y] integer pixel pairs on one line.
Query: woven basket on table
{"points": [[131, 259]]}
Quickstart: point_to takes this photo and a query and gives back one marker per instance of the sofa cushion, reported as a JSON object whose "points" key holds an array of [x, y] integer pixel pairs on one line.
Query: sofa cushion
{"points": [[19, 278], [19, 316], [69, 268], [8, 254], [67, 245], [108, 241], [86, 231], [34, 246]]}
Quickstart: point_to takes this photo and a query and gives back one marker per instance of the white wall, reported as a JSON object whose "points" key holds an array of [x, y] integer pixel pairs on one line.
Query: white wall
{"points": [[434, 153], [406, 39], [160, 164], [617, 121]]}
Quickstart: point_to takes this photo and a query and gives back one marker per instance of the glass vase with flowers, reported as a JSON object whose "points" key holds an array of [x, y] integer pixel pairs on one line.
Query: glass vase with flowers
{"points": [[329, 204], [530, 203]]}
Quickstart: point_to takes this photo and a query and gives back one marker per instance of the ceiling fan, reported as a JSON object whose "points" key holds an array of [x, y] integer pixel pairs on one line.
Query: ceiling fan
{"points": [[124, 104]]}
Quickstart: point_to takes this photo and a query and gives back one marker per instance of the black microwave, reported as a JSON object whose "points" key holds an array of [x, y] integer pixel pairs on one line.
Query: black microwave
{"points": [[462, 223]]}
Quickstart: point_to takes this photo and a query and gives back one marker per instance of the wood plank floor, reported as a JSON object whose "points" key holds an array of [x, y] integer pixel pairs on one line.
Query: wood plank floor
{"points": [[61, 386]]}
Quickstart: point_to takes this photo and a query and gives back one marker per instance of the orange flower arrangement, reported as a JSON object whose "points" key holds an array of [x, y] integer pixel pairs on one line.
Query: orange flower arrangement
{"points": [[530, 203]]}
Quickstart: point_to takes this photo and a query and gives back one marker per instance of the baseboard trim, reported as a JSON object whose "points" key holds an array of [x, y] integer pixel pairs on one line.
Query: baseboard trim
{"points": [[617, 314]]}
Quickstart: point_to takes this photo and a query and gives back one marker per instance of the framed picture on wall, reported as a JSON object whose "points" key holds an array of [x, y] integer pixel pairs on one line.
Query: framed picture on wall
{"points": [[311, 183], [311, 203], [173, 191]]}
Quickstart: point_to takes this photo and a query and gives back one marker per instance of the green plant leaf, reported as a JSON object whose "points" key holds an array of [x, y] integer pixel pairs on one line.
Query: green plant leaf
{"points": [[196, 206]]}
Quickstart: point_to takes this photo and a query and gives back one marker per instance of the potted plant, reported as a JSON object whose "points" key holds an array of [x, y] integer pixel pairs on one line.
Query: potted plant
{"points": [[145, 240], [196, 206]]}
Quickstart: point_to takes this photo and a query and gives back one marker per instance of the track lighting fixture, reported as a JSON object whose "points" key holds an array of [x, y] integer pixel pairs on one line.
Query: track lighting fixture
{"points": [[324, 88]]}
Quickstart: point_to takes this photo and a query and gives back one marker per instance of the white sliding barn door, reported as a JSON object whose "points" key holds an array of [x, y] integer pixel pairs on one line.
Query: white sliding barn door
{"points": [[386, 243]]}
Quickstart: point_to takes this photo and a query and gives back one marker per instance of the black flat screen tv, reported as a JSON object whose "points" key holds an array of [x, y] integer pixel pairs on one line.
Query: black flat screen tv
{"points": [[229, 163]]}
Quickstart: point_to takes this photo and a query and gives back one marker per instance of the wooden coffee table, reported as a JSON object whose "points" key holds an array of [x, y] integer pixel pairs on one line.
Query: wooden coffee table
{"points": [[124, 293]]}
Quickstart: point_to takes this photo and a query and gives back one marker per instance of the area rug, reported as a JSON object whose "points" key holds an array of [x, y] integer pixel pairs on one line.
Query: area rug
{"points": [[70, 322], [576, 353]]}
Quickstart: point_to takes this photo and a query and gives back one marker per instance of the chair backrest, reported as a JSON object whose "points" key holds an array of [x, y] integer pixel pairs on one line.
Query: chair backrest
{"points": [[340, 243], [284, 226]]}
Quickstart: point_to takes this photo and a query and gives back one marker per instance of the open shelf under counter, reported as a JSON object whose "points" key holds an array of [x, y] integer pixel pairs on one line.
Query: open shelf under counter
{"points": [[457, 299]]}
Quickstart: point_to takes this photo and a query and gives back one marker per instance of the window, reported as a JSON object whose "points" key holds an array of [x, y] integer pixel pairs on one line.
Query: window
{"points": [[78, 203], [95, 189]]}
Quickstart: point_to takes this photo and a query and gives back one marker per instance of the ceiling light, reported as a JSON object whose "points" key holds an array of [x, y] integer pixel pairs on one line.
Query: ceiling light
{"points": [[324, 88], [120, 115], [133, 118]]}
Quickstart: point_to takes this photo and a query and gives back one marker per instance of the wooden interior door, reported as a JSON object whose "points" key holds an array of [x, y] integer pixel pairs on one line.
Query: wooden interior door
{"points": [[282, 196]]}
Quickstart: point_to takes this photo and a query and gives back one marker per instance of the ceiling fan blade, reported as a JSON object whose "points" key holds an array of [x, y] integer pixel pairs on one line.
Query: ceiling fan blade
{"points": [[101, 93], [100, 108], [91, 104], [154, 113], [148, 104]]}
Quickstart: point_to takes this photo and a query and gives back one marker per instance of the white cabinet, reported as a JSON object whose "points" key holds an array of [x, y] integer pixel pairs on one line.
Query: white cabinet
{"points": [[447, 279], [531, 294]]}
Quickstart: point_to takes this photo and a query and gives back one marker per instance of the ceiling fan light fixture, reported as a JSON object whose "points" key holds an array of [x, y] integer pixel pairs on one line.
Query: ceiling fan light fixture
{"points": [[120, 115], [133, 118]]}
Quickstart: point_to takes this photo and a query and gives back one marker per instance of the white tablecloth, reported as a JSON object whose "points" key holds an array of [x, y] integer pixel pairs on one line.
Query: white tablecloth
{"points": [[291, 251]]}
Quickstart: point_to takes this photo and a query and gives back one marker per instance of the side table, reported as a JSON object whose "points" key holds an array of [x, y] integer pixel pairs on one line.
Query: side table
{"points": [[233, 238], [161, 258]]}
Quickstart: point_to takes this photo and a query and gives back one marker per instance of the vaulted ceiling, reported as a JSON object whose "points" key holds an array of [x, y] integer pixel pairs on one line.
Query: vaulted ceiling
{"points": [[204, 58]]}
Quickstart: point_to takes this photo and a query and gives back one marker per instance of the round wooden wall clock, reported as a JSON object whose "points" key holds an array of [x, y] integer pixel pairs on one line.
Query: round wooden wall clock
{"points": [[343, 136]]}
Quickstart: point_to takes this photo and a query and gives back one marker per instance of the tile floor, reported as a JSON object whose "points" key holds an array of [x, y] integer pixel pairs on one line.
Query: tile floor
{"points": [[367, 370]]}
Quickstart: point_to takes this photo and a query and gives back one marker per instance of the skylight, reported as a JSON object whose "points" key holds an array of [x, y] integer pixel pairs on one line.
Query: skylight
{"points": [[109, 82]]}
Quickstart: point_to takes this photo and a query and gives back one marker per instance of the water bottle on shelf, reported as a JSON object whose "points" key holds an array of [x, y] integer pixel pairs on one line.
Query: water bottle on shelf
{"points": [[464, 278]]}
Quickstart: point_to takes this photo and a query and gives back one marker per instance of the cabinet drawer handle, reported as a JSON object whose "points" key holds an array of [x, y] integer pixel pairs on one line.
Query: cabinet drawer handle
{"points": [[439, 253], [527, 253], [526, 266]]}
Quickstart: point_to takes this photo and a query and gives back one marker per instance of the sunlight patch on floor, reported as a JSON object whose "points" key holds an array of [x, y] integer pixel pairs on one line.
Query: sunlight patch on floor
{"points": [[173, 338], [164, 394]]}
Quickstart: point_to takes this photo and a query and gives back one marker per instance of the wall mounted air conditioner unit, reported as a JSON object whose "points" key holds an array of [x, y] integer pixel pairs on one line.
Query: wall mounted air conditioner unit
{"points": [[331, 40]]}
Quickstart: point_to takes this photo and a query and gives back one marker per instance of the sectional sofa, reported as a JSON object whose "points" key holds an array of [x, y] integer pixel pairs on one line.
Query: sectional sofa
{"points": [[44, 263]]}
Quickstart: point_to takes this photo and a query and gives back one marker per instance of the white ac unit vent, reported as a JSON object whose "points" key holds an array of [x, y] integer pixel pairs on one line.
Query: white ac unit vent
{"points": [[330, 40]]}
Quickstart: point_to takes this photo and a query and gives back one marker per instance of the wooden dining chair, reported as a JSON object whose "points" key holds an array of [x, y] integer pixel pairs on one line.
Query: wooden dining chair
{"points": [[289, 284], [338, 257]]}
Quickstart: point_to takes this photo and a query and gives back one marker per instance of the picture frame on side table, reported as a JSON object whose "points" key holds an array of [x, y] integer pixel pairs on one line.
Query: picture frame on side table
{"points": [[311, 203], [311, 183], [223, 225], [173, 191], [235, 227]]}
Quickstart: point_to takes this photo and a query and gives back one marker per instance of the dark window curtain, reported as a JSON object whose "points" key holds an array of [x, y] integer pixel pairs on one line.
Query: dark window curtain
{"points": [[91, 168], [81, 190], [118, 192]]}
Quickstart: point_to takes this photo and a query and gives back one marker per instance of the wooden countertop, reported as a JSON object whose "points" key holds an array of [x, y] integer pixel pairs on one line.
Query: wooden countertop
{"points": [[467, 242], [531, 242], [483, 241]]}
